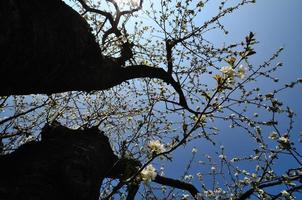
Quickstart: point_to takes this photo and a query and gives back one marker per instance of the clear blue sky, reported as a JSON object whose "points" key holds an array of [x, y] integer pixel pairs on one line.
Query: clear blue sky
{"points": [[277, 23]]}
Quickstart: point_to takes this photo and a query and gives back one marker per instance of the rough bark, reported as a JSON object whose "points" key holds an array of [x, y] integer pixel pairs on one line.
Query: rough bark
{"points": [[65, 164], [47, 47]]}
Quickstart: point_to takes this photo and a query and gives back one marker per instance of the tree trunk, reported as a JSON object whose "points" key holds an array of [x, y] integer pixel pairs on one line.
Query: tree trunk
{"points": [[65, 164], [47, 48]]}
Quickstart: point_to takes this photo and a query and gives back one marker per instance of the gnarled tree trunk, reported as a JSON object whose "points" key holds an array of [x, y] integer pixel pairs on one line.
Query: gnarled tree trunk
{"points": [[47, 47], [65, 164]]}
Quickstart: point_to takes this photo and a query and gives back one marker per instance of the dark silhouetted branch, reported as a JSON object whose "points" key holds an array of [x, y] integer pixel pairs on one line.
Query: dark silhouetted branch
{"points": [[177, 184], [280, 181]]}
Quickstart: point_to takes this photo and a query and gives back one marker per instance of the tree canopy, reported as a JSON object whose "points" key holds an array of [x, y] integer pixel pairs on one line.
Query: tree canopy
{"points": [[147, 76]]}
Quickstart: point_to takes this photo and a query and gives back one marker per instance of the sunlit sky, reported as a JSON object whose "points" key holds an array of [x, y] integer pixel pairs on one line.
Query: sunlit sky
{"points": [[277, 23]]}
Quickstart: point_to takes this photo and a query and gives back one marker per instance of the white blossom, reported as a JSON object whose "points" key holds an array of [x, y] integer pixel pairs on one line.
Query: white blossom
{"points": [[273, 135], [194, 150], [228, 71], [284, 142], [163, 188], [284, 193], [255, 157], [209, 193], [218, 191], [188, 178], [246, 180], [200, 176], [134, 3], [185, 196], [260, 191], [27, 139], [241, 72], [156, 147], [254, 175], [200, 119], [148, 173]]}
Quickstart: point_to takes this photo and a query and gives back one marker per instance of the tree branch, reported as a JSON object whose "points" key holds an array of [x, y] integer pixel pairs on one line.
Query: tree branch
{"points": [[22, 113], [177, 184], [143, 71], [132, 190], [169, 46], [249, 192], [69, 61], [89, 9], [293, 189]]}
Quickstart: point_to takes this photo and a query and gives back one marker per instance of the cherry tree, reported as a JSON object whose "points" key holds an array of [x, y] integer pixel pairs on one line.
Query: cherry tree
{"points": [[147, 76]]}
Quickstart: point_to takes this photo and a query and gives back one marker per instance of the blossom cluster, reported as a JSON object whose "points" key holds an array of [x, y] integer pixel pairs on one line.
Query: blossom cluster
{"points": [[155, 146], [230, 73], [283, 141], [148, 173]]}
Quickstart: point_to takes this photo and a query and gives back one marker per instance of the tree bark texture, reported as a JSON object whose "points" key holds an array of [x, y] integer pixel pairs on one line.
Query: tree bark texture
{"points": [[47, 47], [65, 164]]}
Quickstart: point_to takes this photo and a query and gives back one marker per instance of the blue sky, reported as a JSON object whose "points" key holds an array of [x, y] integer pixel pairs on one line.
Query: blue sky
{"points": [[277, 23]]}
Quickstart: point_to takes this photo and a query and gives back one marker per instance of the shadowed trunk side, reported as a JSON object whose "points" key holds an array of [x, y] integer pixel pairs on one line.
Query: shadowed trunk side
{"points": [[65, 164]]}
